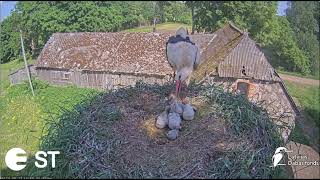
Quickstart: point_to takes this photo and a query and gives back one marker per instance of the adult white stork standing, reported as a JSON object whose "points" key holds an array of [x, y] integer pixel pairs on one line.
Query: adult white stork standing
{"points": [[184, 56]]}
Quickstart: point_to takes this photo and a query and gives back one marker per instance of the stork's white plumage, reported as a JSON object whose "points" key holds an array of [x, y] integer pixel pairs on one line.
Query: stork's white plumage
{"points": [[183, 55]]}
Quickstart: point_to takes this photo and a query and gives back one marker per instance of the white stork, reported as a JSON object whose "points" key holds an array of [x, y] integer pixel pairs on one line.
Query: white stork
{"points": [[184, 56]]}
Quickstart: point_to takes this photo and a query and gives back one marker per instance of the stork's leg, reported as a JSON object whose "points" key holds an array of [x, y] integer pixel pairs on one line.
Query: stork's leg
{"points": [[188, 80], [173, 92], [174, 75], [184, 98]]}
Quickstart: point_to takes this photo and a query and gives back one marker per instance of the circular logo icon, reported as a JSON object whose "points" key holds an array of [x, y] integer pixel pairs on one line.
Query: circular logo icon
{"points": [[15, 156]]}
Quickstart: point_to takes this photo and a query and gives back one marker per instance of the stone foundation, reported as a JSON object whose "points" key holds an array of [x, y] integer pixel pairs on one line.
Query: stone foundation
{"points": [[270, 96]]}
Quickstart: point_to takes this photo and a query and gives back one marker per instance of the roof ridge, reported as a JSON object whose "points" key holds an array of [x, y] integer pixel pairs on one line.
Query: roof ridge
{"points": [[235, 27]]}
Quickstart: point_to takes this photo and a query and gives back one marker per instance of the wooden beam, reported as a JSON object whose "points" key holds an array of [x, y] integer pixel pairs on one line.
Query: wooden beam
{"points": [[26, 63]]}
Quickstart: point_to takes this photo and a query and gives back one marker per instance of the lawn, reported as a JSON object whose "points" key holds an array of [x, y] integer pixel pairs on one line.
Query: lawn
{"points": [[24, 118], [308, 98], [160, 27]]}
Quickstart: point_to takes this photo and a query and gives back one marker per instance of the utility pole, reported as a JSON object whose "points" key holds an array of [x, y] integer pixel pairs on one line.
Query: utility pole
{"points": [[192, 16], [154, 17], [1, 45], [26, 63]]}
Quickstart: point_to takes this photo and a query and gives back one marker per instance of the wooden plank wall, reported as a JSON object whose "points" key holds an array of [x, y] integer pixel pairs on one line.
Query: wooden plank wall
{"points": [[96, 79]]}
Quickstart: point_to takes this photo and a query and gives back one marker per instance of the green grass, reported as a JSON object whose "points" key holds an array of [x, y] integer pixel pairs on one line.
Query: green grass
{"points": [[308, 97], [160, 27], [298, 136], [24, 117]]}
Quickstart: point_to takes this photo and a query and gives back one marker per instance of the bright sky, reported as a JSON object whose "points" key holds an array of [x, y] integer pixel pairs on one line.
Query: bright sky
{"points": [[282, 6], [7, 6]]}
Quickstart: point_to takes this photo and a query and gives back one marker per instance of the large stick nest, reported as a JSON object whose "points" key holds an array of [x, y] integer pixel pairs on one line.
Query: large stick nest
{"points": [[113, 135]]}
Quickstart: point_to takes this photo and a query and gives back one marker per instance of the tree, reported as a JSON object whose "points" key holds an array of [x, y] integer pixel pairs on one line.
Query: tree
{"points": [[259, 18], [177, 12], [284, 44], [9, 38], [304, 20], [159, 9]]}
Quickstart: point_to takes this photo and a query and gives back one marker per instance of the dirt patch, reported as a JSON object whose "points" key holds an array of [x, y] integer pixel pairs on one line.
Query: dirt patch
{"points": [[300, 80]]}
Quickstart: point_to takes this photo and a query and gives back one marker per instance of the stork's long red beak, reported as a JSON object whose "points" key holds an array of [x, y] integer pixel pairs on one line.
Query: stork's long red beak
{"points": [[178, 87]]}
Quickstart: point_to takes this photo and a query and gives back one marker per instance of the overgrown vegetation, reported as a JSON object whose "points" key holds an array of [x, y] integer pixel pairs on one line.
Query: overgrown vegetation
{"points": [[105, 136]]}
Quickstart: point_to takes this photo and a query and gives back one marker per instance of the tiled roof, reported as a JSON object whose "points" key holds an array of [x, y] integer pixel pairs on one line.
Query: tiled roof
{"points": [[227, 50], [116, 52]]}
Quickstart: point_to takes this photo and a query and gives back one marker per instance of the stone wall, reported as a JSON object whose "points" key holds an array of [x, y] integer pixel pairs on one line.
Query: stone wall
{"points": [[269, 95]]}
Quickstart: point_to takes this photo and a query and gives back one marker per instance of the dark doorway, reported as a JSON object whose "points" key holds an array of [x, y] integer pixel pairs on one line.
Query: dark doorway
{"points": [[242, 88]]}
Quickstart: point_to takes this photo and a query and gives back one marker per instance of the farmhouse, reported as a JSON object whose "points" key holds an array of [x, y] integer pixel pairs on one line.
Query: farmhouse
{"points": [[113, 60]]}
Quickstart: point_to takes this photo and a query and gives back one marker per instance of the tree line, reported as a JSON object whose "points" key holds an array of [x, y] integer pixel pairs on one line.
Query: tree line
{"points": [[291, 42]]}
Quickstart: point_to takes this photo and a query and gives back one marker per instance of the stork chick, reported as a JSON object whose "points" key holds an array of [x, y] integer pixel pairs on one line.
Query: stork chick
{"points": [[183, 56], [173, 134], [188, 112], [174, 121], [162, 120]]}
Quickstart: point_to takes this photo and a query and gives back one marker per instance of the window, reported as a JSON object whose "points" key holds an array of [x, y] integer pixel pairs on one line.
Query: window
{"points": [[66, 75], [55, 74]]}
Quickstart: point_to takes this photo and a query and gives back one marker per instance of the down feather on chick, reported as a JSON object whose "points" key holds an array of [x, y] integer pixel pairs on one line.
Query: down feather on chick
{"points": [[173, 134], [162, 119], [188, 112], [174, 120]]}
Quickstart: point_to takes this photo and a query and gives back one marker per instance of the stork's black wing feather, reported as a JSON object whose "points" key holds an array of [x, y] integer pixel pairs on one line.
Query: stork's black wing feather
{"points": [[170, 39]]}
